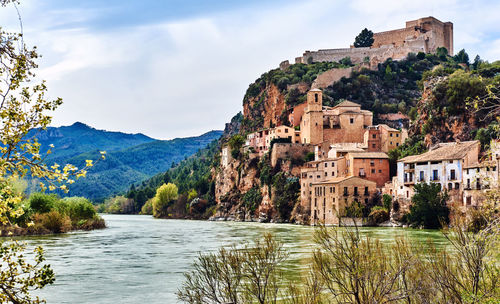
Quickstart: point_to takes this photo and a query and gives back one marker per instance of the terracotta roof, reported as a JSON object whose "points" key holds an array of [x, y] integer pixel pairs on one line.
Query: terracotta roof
{"points": [[443, 151], [347, 103], [325, 160], [483, 164], [337, 180], [368, 155]]}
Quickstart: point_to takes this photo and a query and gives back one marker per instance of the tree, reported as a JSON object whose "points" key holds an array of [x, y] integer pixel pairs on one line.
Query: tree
{"points": [[164, 196], [364, 39], [461, 57], [429, 207], [387, 202], [18, 276], [442, 53], [249, 275], [235, 143], [23, 108]]}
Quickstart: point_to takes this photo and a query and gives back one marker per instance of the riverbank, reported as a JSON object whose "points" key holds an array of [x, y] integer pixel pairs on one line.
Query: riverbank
{"points": [[41, 228]]}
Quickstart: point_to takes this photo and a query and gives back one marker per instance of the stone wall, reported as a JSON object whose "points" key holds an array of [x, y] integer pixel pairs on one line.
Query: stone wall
{"points": [[289, 151]]}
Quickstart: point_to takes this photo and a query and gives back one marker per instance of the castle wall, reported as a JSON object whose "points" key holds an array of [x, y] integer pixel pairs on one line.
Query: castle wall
{"points": [[290, 151]]}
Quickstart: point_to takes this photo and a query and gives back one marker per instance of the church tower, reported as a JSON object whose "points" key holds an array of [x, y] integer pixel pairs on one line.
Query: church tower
{"points": [[311, 129]]}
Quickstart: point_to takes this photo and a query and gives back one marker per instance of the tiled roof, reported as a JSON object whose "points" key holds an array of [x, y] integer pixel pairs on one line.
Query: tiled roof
{"points": [[337, 180], [368, 155], [443, 151], [347, 103]]}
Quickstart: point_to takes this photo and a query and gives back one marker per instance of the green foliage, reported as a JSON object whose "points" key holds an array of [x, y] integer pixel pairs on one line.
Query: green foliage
{"points": [[354, 210], [412, 146], [235, 143], [393, 82], [442, 53], [387, 201], [286, 194], [80, 208], [119, 205], [130, 158], [378, 215], [309, 157], [252, 198], [428, 207], [41, 202], [346, 61], [192, 194], [364, 39], [165, 195], [461, 57], [19, 275], [147, 208]]}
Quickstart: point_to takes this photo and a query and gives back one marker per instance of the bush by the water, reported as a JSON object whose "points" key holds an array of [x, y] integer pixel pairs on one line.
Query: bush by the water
{"points": [[47, 213]]}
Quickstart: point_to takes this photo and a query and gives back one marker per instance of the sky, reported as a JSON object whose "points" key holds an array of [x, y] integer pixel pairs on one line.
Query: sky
{"points": [[180, 68]]}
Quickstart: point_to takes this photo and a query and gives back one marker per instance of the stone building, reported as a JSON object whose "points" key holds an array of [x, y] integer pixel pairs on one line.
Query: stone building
{"points": [[373, 166], [421, 35], [319, 171], [330, 198], [383, 138]]}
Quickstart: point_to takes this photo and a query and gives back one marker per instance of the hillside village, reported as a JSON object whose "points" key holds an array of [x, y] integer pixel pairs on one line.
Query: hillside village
{"points": [[345, 153]]}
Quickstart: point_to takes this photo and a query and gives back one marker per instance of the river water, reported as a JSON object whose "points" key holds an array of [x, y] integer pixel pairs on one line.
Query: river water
{"points": [[141, 259]]}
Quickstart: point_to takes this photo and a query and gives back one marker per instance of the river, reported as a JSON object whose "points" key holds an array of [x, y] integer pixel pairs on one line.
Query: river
{"points": [[141, 259]]}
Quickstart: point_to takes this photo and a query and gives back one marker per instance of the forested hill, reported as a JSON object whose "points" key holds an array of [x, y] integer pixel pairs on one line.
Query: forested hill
{"points": [[130, 157]]}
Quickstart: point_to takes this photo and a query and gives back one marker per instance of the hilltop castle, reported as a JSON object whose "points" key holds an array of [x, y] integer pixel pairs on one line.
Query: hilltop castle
{"points": [[421, 35]]}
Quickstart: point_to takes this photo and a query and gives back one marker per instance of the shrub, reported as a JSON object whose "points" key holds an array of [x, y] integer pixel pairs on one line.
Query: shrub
{"points": [[147, 208], [54, 221], [378, 215], [41, 202], [387, 201], [252, 198], [80, 208]]}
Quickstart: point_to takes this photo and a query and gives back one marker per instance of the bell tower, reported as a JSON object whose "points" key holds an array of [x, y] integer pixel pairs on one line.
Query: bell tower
{"points": [[312, 121]]}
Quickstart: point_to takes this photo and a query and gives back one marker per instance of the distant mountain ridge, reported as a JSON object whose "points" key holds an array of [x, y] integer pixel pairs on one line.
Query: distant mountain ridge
{"points": [[130, 158]]}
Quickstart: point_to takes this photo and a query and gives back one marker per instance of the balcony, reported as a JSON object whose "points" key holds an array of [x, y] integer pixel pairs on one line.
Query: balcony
{"points": [[346, 193], [362, 174]]}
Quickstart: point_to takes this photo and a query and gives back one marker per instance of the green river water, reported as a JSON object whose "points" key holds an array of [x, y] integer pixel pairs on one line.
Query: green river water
{"points": [[141, 259]]}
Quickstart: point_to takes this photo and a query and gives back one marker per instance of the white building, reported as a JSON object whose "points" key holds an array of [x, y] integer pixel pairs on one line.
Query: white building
{"points": [[442, 164]]}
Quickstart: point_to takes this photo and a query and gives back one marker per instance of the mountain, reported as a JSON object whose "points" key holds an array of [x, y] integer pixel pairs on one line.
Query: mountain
{"points": [[130, 158], [78, 138]]}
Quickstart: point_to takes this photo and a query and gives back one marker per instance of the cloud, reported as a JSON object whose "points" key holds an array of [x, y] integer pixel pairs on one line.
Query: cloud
{"points": [[183, 77]]}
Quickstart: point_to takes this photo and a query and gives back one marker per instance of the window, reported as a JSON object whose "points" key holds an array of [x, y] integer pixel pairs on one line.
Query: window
{"points": [[316, 97], [379, 171], [397, 135], [435, 175], [326, 173], [451, 162], [450, 186], [421, 176], [351, 120], [356, 191], [452, 174], [318, 176], [333, 192], [391, 134], [379, 161], [333, 164], [391, 142], [333, 173], [373, 170], [468, 200], [457, 186], [326, 165], [372, 163], [374, 135], [373, 146], [366, 191], [346, 192], [286, 130], [397, 144]]}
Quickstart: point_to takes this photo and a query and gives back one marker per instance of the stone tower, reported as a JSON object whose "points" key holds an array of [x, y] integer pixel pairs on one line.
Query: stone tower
{"points": [[312, 121]]}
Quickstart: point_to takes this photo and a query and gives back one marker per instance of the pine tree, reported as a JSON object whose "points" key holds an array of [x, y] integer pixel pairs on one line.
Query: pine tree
{"points": [[364, 39]]}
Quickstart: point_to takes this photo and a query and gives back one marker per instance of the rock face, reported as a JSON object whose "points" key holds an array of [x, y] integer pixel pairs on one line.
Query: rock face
{"points": [[266, 109], [441, 119]]}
